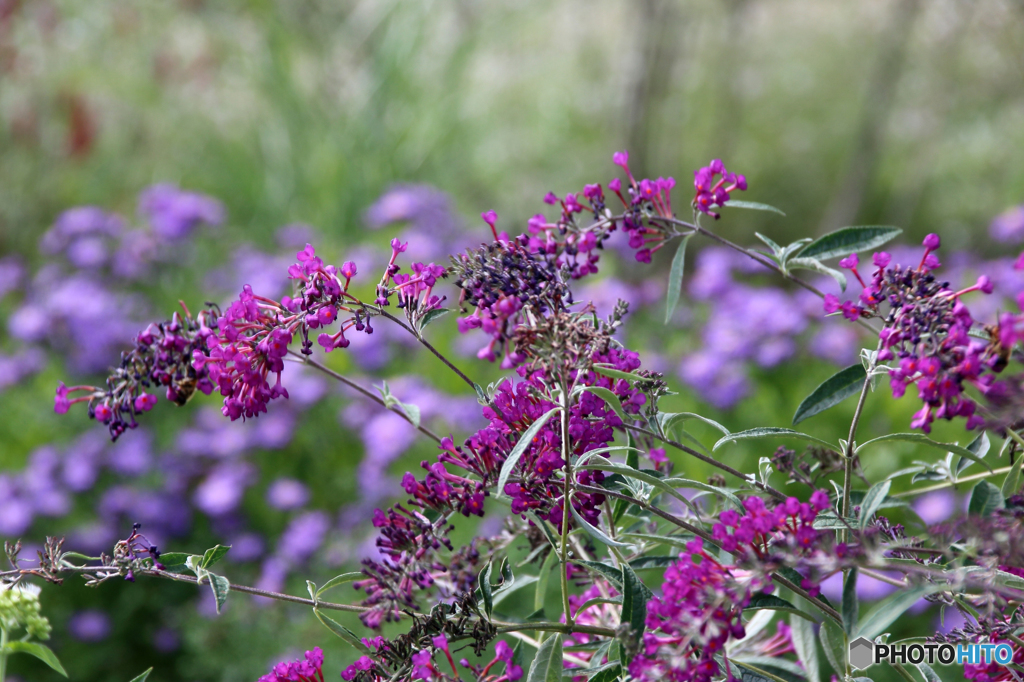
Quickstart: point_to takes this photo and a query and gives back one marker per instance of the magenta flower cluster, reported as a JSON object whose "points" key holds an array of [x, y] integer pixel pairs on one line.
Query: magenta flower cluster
{"points": [[927, 332], [699, 611], [408, 539], [306, 669], [712, 192]]}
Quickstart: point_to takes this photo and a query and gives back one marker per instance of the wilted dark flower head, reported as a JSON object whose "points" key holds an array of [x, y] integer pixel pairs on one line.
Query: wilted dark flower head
{"points": [[162, 358]]}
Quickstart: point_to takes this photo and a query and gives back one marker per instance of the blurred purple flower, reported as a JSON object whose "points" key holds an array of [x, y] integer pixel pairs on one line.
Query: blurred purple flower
{"points": [[303, 536], [286, 494], [12, 273], [935, 506], [1008, 226], [79, 222], [173, 212], [246, 547], [90, 626], [24, 363], [222, 490], [295, 235], [132, 455], [166, 640]]}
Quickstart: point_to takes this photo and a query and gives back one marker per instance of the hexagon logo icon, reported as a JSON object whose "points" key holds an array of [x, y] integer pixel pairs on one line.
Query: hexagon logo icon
{"points": [[862, 653]]}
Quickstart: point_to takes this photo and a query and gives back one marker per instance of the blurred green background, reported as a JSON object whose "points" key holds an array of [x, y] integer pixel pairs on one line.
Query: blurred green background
{"points": [[873, 112]]}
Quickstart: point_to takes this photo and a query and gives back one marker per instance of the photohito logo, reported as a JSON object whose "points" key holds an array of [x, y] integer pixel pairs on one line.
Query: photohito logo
{"points": [[864, 653]]}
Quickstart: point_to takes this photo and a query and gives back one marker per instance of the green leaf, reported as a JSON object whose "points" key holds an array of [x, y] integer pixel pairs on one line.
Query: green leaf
{"points": [[547, 664], [769, 602], [40, 651], [213, 555], [847, 240], [850, 606], [432, 315], [669, 419], [545, 528], [524, 442], [341, 631], [143, 677], [170, 559], [651, 561], [830, 521], [541, 590], [595, 532], [635, 596], [753, 205], [803, 263], [484, 581], [658, 483], [612, 574], [617, 373], [220, 587], [611, 400], [831, 392], [339, 580], [802, 634], [1011, 484], [608, 674], [891, 608], [769, 432], [921, 439], [707, 487], [410, 411], [833, 641], [872, 501], [979, 446], [770, 243], [927, 673], [675, 278], [985, 499], [481, 395]]}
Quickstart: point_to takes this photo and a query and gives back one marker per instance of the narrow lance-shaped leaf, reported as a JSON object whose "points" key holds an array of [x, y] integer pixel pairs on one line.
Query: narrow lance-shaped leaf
{"points": [[753, 205], [143, 677], [921, 439], [341, 631], [339, 580], [831, 392], [40, 651], [1011, 484], [634, 602], [849, 240], [769, 432], [979, 446], [873, 500], [611, 400], [850, 606], [593, 531], [833, 641], [547, 664], [770, 602], [888, 610], [816, 265], [804, 641], [524, 442], [675, 279]]}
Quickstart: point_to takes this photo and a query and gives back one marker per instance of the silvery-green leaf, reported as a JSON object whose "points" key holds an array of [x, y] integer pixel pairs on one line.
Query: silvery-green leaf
{"points": [[833, 641], [873, 500], [220, 587], [341, 631], [517, 452], [985, 499], [432, 315], [339, 580], [675, 278], [850, 605], [769, 432], [611, 400], [847, 240], [805, 643], [669, 419], [547, 664], [1011, 484], [804, 263], [771, 602], [776, 249], [143, 677], [921, 439], [831, 392], [891, 608], [610, 573], [753, 205], [595, 532], [979, 446]]}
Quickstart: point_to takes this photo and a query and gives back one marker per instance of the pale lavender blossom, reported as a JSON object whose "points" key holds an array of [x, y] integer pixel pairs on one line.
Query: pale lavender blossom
{"points": [[286, 494]]}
